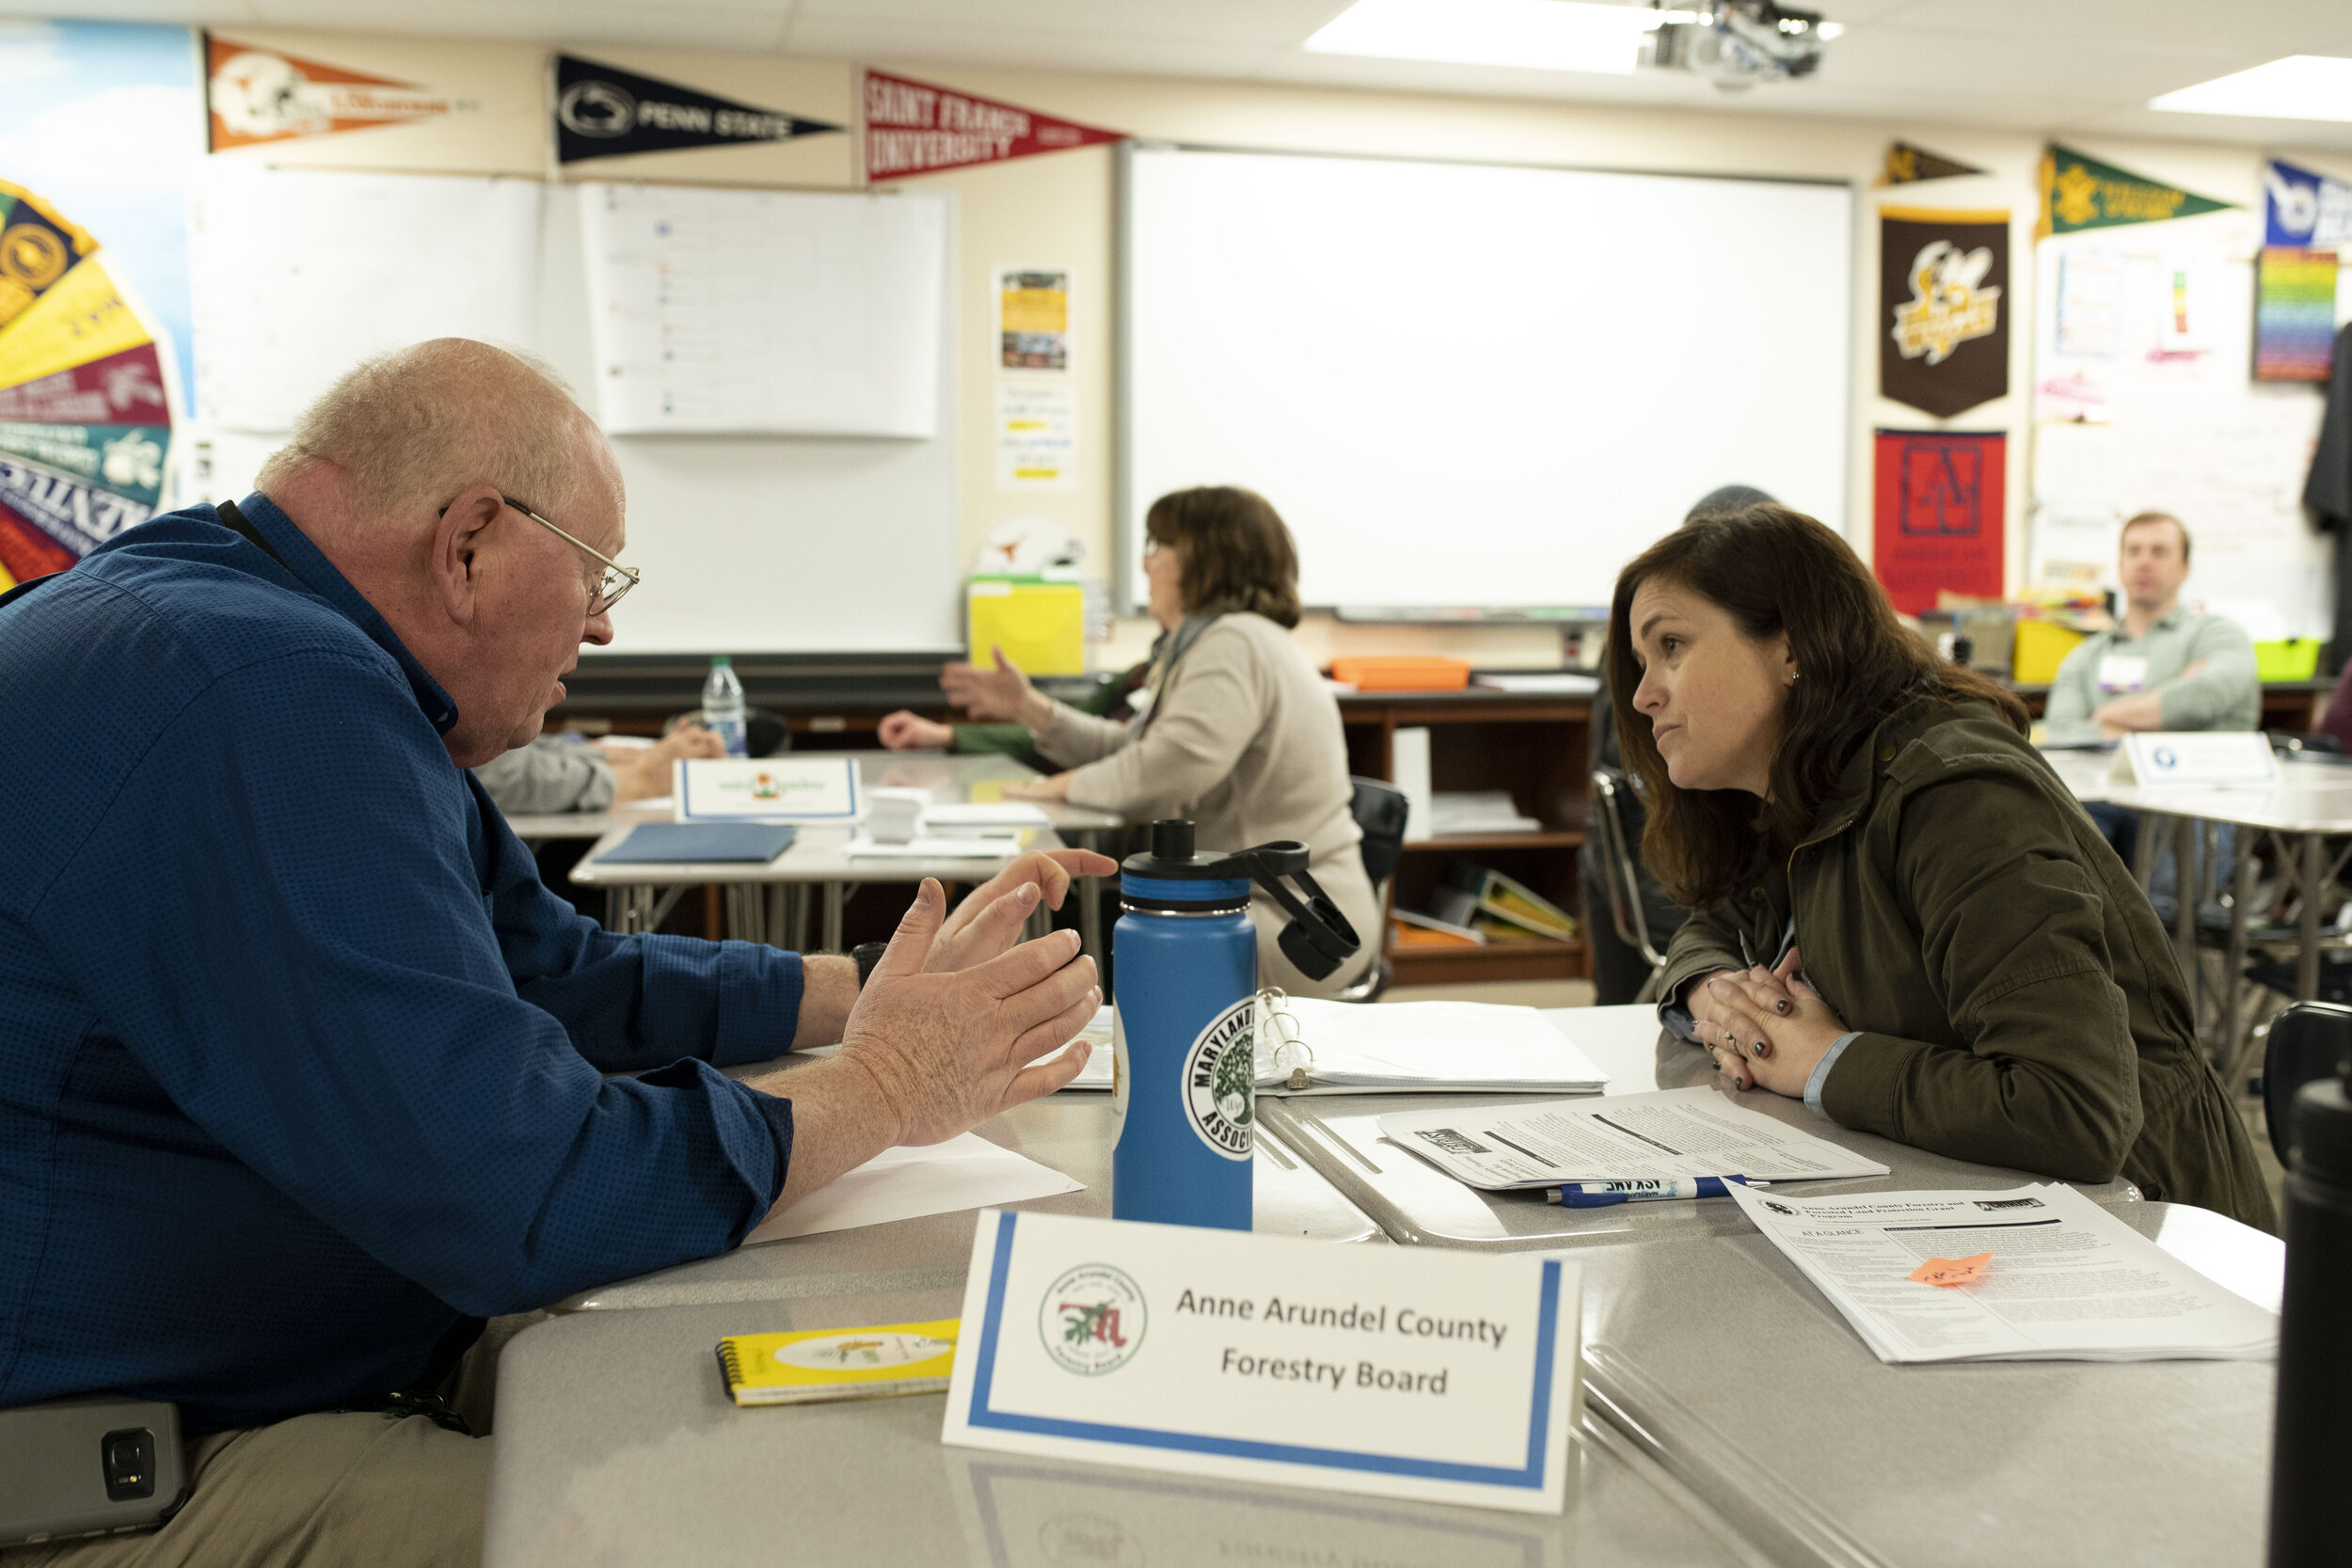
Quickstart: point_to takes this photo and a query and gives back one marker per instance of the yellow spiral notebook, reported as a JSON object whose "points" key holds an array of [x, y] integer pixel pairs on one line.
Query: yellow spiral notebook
{"points": [[839, 1362]]}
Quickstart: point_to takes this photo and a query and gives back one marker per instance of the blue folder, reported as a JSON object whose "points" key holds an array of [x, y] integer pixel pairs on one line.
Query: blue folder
{"points": [[699, 843]]}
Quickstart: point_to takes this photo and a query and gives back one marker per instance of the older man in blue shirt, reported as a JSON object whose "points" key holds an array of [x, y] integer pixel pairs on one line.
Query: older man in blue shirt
{"points": [[302, 1071]]}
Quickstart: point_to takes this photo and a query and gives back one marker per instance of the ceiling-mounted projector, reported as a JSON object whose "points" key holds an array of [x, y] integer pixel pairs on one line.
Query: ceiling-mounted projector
{"points": [[1734, 42]]}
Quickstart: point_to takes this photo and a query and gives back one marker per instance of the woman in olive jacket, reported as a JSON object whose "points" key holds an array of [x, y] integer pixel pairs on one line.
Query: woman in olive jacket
{"points": [[1901, 915]]}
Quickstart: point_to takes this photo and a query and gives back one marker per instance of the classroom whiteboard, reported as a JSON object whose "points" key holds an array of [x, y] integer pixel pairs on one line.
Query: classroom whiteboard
{"points": [[1468, 384], [756, 543], [2144, 400], [299, 273], [784, 311]]}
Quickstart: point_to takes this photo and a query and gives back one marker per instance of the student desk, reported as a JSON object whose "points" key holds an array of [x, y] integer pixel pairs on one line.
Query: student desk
{"points": [[761, 905], [2310, 803], [1721, 1361], [617, 1443], [1070, 1132], [1417, 1204]]}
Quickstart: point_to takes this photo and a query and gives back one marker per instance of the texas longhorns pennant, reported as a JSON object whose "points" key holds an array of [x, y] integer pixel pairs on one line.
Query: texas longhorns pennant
{"points": [[915, 128], [261, 95]]}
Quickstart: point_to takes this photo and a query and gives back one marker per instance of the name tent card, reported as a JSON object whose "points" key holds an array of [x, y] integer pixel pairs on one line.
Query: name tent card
{"points": [[766, 790], [1401, 1373], [2211, 759]]}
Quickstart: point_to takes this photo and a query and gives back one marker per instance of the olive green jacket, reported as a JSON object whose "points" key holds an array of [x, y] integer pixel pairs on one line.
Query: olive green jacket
{"points": [[2018, 1001]]}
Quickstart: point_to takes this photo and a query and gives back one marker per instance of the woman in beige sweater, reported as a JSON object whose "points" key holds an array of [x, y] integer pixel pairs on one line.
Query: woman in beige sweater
{"points": [[1234, 728]]}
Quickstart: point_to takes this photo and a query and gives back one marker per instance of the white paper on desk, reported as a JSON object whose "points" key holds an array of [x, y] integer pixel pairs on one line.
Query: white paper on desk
{"points": [[1633, 1137], [986, 813], [1404, 1048], [965, 1172], [969, 848], [2068, 1281]]}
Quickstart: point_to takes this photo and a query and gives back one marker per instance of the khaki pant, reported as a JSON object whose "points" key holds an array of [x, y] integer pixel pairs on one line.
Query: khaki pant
{"points": [[334, 1490]]}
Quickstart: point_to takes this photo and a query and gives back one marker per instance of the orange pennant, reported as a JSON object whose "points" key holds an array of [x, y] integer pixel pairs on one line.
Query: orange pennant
{"points": [[1951, 1271], [261, 95]]}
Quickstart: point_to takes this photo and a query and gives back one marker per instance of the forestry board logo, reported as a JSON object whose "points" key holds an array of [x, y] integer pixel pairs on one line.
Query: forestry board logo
{"points": [[1092, 1320], [1949, 303], [1221, 1081]]}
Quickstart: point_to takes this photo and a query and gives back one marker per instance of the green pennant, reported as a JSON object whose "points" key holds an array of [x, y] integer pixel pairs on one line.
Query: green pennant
{"points": [[2078, 191], [1907, 164]]}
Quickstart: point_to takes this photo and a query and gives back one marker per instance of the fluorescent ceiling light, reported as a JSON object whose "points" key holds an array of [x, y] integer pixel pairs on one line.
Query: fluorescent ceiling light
{"points": [[2301, 86], [1540, 34]]}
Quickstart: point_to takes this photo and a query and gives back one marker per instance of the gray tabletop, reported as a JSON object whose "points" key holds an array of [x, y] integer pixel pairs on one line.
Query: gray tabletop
{"points": [[1418, 1204], [1725, 1364], [617, 1443], [1070, 1132]]}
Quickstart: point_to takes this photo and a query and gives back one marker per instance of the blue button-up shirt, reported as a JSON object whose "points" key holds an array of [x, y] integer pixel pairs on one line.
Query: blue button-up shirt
{"points": [[299, 1062]]}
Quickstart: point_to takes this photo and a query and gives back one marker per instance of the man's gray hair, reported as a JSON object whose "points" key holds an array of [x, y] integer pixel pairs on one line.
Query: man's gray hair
{"points": [[415, 427]]}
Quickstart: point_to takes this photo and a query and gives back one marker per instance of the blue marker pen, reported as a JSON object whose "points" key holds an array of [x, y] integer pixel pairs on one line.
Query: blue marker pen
{"points": [[1601, 1194]]}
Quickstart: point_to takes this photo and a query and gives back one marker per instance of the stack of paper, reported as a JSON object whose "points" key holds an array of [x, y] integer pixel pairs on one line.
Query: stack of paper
{"points": [[1633, 1137], [965, 1172], [2034, 1274], [1403, 1048], [974, 846], [986, 813], [1456, 813]]}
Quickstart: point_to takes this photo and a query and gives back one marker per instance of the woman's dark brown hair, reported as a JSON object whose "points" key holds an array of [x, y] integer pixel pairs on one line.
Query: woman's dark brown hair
{"points": [[1776, 570], [1234, 550]]}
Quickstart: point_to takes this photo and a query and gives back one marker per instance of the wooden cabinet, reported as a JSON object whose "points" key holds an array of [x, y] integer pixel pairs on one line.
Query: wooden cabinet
{"points": [[1536, 748]]}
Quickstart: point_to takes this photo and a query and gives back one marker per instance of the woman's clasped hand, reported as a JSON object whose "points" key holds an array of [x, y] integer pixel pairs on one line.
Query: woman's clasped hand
{"points": [[1766, 1028]]}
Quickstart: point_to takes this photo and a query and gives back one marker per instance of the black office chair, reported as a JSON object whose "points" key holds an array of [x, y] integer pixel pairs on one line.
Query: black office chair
{"points": [[1604, 820], [1380, 810], [2310, 1040]]}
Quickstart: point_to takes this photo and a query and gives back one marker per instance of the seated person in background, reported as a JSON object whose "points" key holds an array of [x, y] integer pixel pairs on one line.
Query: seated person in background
{"points": [[2165, 666], [968, 687], [553, 774], [1899, 914], [1238, 732], [1619, 971], [303, 1072]]}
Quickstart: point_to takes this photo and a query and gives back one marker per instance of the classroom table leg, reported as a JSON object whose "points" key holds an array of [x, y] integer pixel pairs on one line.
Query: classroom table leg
{"points": [[2184, 887], [2314, 881], [2234, 1035], [747, 912], [2144, 849], [1089, 908], [796, 921], [836, 896]]}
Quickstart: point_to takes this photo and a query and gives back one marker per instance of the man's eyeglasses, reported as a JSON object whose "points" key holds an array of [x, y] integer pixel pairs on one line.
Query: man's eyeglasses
{"points": [[615, 582]]}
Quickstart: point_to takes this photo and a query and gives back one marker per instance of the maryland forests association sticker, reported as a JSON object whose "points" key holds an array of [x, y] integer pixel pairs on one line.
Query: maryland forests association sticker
{"points": [[1092, 1320], [1221, 1081]]}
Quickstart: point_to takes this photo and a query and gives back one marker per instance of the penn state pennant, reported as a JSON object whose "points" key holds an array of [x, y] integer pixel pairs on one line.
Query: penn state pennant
{"points": [[603, 112]]}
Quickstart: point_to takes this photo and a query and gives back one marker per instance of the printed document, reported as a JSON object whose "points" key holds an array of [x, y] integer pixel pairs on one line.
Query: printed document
{"points": [[2033, 1273], [1633, 1137]]}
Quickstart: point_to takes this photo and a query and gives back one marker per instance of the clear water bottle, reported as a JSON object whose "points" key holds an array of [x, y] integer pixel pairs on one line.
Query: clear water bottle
{"points": [[1185, 1079], [722, 705]]}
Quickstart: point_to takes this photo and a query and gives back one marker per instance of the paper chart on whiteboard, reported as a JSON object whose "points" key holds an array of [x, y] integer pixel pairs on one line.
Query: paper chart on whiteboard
{"points": [[2143, 400]]}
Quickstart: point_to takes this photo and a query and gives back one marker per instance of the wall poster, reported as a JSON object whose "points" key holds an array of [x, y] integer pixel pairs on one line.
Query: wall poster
{"points": [[1938, 528], [1942, 276]]}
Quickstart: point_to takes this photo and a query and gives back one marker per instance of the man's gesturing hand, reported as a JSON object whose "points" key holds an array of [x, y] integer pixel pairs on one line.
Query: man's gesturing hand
{"points": [[991, 914], [925, 1056], [947, 1052]]}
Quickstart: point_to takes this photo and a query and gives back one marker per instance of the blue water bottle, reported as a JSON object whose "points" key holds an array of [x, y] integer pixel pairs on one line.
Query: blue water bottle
{"points": [[1185, 1064]]}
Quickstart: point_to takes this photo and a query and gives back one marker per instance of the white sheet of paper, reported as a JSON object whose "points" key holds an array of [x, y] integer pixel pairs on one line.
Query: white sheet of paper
{"points": [[1632, 1137], [2068, 1281], [987, 813], [965, 1172], [924, 849]]}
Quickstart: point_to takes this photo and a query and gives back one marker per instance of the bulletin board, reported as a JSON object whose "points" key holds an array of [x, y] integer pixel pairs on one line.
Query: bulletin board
{"points": [[2144, 400]]}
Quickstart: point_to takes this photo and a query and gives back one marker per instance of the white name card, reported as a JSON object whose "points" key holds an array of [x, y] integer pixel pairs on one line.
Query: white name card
{"points": [[2211, 759], [1402, 1373], [766, 790]]}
